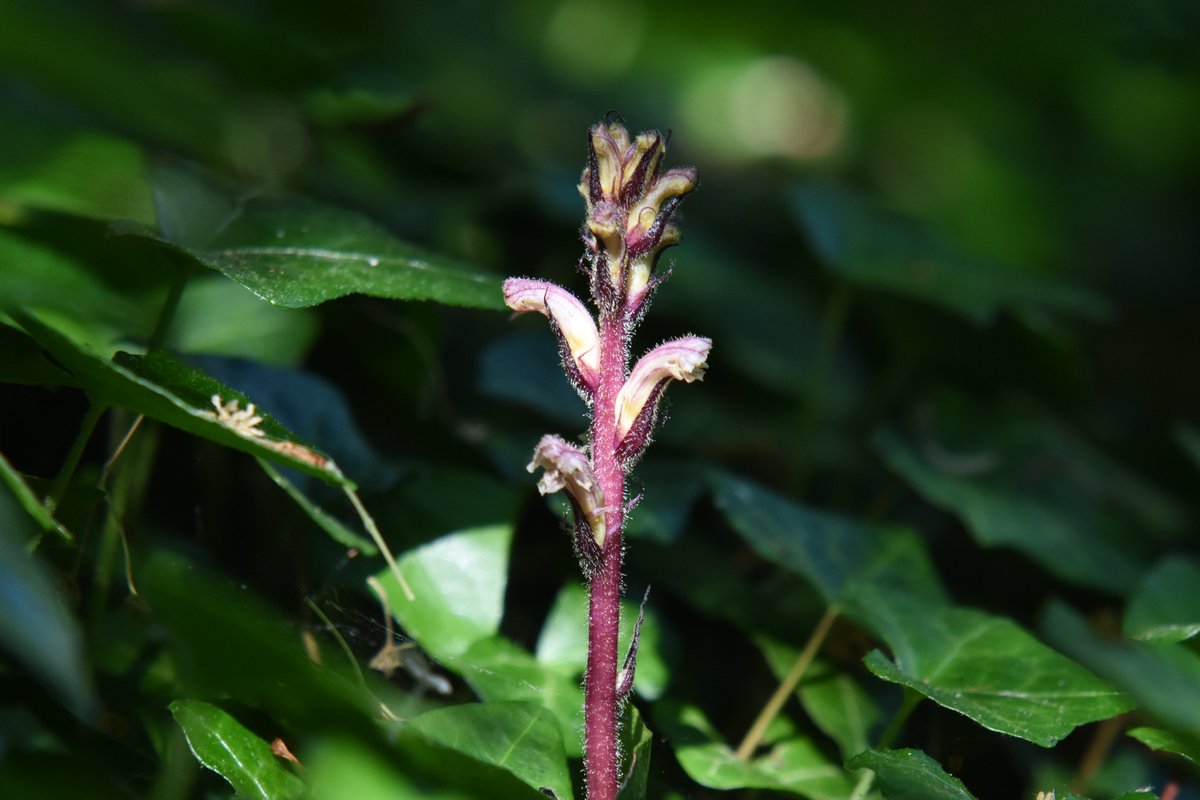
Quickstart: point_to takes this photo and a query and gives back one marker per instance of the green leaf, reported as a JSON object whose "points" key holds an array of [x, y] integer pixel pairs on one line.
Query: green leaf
{"points": [[1163, 678], [1165, 606], [522, 738], [458, 584], [795, 766], [499, 670], [834, 700], [23, 362], [54, 167], [25, 497], [163, 388], [217, 317], [636, 743], [298, 254], [228, 748], [836, 554], [563, 643], [35, 627], [885, 251], [910, 775], [673, 488], [1159, 739], [1018, 480], [987, 668]]}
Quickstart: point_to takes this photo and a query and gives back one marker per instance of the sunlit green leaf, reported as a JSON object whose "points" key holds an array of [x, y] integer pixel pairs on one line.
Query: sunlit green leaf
{"points": [[522, 738], [217, 317], [500, 670], [910, 775], [299, 254], [1165, 607], [834, 553], [165, 389], [795, 766], [1159, 739], [988, 668], [885, 251], [35, 626], [458, 584], [563, 643], [228, 748], [1163, 678]]}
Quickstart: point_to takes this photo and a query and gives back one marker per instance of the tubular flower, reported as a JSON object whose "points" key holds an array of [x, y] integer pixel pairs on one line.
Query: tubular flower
{"points": [[631, 206], [567, 468], [637, 403], [578, 340]]}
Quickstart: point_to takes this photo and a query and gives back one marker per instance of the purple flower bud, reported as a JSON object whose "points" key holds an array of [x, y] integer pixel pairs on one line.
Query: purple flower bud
{"points": [[572, 324], [567, 468], [637, 403]]}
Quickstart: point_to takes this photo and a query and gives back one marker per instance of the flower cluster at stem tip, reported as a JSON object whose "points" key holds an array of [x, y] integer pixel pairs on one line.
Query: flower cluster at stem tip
{"points": [[631, 218]]}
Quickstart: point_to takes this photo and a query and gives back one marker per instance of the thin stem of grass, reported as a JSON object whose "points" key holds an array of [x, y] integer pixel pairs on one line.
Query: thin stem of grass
{"points": [[758, 729], [1104, 737], [63, 479]]}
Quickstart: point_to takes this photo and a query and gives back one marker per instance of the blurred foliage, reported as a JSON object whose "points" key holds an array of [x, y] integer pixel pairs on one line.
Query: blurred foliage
{"points": [[946, 254]]}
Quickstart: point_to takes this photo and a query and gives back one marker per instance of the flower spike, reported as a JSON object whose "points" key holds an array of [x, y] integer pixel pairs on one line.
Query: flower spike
{"points": [[567, 468], [637, 403], [578, 339]]}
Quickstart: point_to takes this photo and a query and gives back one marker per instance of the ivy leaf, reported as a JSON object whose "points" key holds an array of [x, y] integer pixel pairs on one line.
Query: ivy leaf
{"points": [[1165, 606], [228, 748], [165, 389], [835, 553], [987, 668], [882, 250], [500, 670], [1163, 677], [910, 775], [795, 765], [458, 584], [299, 253], [522, 738]]}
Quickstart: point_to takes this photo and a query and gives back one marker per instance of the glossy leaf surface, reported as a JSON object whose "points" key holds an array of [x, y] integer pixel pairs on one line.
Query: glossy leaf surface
{"points": [[910, 775]]}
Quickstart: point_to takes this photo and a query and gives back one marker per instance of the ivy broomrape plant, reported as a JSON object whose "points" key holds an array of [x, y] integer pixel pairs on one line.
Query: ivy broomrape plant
{"points": [[631, 204]]}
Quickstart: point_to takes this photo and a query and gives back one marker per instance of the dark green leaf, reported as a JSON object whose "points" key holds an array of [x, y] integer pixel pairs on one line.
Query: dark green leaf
{"points": [[1159, 739], [1019, 480], [35, 627], [337, 531], [910, 775], [1163, 678], [794, 766], [672, 488], [522, 738], [1165, 607], [165, 389], [229, 749], [834, 553], [563, 643], [458, 584], [985, 667], [885, 251], [23, 362], [524, 368]]}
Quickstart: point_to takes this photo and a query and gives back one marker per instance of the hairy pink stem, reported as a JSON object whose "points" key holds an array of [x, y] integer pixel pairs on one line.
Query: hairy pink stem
{"points": [[604, 612]]}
